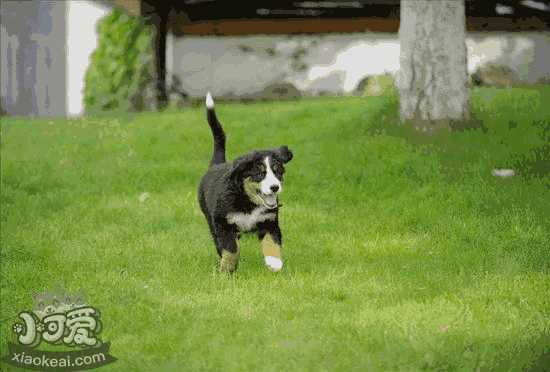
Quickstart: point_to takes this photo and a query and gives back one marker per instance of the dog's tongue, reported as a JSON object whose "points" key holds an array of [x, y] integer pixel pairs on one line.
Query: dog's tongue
{"points": [[270, 200]]}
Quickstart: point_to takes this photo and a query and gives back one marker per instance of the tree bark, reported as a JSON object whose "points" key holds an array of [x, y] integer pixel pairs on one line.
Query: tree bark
{"points": [[156, 15], [433, 79]]}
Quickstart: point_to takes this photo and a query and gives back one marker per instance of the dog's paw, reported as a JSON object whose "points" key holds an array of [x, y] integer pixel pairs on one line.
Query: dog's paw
{"points": [[273, 263], [229, 261]]}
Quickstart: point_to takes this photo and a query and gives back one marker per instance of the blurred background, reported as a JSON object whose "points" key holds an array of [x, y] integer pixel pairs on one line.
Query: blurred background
{"points": [[247, 51]]}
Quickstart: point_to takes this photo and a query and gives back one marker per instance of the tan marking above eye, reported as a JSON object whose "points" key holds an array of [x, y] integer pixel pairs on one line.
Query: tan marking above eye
{"points": [[262, 167]]}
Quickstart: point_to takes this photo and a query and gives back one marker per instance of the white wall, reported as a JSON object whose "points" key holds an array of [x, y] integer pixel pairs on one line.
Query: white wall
{"points": [[527, 53], [82, 18], [244, 65], [329, 63]]}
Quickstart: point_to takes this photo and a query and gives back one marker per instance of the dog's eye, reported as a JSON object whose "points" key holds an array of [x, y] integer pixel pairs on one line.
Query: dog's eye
{"points": [[262, 168]]}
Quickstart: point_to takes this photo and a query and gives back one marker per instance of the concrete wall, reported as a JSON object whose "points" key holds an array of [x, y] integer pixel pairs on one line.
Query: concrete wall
{"points": [[32, 58], [333, 64], [527, 53], [45, 51]]}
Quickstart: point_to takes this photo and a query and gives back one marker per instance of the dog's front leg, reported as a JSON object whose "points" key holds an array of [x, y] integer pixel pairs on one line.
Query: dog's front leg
{"points": [[228, 246], [271, 242]]}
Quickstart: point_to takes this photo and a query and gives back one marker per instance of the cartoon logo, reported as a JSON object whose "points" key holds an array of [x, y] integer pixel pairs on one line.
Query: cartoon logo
{"points": [[64, 319]]}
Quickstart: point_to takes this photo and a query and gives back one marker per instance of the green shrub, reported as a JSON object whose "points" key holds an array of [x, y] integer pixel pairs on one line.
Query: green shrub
{"points": [[379, 85], [494, 75], [121, 68]]}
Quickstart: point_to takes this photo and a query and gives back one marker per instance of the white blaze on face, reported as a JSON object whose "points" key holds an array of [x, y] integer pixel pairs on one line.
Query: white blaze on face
{"points": [[270, 180]]}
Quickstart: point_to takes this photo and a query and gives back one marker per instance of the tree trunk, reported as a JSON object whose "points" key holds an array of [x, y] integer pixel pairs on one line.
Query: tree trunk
{"points": [[433, 79], [155, 13]]}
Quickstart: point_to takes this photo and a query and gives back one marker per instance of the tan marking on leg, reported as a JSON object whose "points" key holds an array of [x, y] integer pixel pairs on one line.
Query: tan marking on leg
{"points": [[272, 253], [229, 261], [270, 248]]}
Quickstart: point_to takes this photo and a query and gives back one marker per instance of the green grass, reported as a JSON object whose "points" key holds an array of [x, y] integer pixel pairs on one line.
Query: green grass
{"points": [[402, 252]]}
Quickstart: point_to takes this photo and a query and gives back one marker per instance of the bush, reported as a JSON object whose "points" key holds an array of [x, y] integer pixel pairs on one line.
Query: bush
{"points": [[281, 90], [494, 75], [121, 68], [379, 85]]}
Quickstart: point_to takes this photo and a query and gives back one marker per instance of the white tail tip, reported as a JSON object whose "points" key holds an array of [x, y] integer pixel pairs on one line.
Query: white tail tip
{"points": [[209, 101]]}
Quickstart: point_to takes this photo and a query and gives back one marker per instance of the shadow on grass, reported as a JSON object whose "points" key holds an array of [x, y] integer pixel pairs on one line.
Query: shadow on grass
{"points": [[512, 125]]}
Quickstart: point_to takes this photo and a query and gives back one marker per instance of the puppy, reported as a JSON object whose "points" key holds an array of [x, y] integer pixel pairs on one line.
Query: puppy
{"points": [[242, 196]]}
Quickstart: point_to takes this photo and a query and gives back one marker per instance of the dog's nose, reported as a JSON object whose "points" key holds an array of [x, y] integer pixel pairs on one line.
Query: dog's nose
{"points": [[274, 188]]}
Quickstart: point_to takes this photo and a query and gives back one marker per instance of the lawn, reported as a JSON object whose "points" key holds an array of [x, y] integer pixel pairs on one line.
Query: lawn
{"points": [[402, 251]]}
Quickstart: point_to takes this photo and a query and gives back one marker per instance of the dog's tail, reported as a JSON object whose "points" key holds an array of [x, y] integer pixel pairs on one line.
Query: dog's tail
{"points": [[217, 132]]}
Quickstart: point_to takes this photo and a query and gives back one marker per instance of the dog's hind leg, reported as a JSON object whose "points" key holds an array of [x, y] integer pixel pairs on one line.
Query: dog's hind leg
{"points": [[213, 233], [204, 209], [228, 248]]}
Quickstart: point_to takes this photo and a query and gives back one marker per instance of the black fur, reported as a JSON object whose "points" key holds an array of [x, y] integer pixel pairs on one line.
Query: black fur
{"points": [[218, 155], [221, 189]]}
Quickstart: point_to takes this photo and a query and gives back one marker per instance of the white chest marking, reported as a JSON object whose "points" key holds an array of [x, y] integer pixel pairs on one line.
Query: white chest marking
{"points": [[247, 221]]}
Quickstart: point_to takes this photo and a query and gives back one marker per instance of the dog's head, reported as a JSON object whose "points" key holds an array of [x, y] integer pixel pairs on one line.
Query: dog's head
{"points": [[259, 175]]}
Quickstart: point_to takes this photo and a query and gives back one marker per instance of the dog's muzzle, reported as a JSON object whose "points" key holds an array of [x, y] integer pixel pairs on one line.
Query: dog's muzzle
{"points": [[268, 200]]}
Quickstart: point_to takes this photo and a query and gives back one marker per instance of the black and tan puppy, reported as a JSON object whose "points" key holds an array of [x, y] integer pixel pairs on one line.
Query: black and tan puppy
{"points": [[241, 196]]}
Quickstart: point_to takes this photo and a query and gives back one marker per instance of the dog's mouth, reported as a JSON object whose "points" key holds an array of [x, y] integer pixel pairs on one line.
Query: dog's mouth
{"points": [[269, 201]]}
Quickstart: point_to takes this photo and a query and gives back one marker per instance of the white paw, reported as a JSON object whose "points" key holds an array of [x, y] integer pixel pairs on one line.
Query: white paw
{"points": [[273, 263]]}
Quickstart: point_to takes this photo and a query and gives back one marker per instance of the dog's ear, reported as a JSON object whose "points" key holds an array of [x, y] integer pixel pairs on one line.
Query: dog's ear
{"points": [[240, 165], [284, 153]]}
